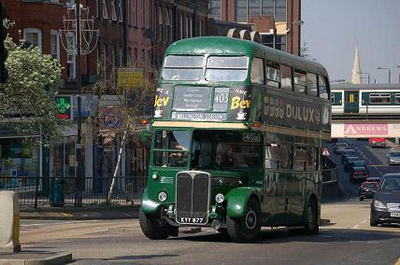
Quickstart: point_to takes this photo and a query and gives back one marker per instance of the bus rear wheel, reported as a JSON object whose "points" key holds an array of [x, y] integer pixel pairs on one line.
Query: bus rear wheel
{"points": [[311, 218], [245, 229], [153, 227]]}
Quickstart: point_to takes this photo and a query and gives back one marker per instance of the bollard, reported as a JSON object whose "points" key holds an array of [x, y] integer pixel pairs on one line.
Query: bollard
{"points": [[9, 222]]}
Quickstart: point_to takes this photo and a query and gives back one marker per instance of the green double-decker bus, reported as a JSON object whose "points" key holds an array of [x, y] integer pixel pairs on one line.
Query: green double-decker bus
{"points": [[236, 140]]}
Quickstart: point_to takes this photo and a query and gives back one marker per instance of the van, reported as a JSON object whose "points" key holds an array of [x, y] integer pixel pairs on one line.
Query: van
{"points": [[377, 142]]}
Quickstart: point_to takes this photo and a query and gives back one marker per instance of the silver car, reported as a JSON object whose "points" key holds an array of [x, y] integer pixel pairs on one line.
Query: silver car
{"points": [[394, 158]]}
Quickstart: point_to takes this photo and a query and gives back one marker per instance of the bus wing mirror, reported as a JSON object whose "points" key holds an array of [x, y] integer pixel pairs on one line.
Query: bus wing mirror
{"points": [[144, 135]]}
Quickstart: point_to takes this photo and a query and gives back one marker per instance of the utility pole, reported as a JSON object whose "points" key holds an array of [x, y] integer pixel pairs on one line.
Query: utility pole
{"points": [[80, 28]]}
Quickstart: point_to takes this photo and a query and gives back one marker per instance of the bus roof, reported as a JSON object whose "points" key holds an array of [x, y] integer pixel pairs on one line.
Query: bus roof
{"points": [[234, 46]]}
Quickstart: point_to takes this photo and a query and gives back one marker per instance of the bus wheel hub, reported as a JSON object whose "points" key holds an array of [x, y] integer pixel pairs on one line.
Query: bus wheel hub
{"points": [[250, 220]]}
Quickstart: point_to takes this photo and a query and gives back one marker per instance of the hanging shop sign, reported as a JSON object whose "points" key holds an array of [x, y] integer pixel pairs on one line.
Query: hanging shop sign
{"points": [[64, 107]]}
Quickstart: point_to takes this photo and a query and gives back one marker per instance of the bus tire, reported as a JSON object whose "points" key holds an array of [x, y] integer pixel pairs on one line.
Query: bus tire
{"points": [[245, 229], [311, 225], [153, 228]]}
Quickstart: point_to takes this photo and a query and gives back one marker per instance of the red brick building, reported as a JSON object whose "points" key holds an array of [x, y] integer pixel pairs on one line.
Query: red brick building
{"points": [[260, 15]]}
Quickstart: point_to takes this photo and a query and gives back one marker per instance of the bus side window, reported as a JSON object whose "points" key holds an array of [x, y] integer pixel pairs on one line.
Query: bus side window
{"points": [[312, 88], [257, 71], [323, 90], [300, 81], [286, 156], [286, 78], [272, 156], [272, 74]]}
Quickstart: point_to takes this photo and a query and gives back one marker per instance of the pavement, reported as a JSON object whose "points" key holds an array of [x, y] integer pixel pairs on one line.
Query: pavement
{"points": [[80, 213]]}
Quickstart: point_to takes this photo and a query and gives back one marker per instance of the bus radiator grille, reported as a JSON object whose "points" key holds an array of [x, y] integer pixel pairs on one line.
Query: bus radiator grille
{"points": [[192, 197]]}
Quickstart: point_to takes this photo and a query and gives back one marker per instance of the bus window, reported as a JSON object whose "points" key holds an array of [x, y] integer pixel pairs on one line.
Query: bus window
{"points": [[239, 155], [189, 68], [272, 156], [300, 81], [227, 68], [272, 74], [286, 157], [174, 147], [323, 88], [257, 71], [312, 88], [286, 78], [300, 158]]}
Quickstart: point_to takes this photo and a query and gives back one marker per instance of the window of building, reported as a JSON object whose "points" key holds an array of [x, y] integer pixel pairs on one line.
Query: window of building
{"points": [[147, 15], [181, 26], [113, 11], [254, 7], [286, 78], [142, 13], [97, 8], [312, 87], [257, 71], [379, 98], [105, 61], [300, 81], [200, 27], [268, 9], [190, 27], [121, 57], [98, 56], [167, 25], [244, 9], [160, 23], [129, 57], [71, 63], [215, 7], [134, 13], [33, 37], [272, 74], [105, 9], [55, 44], [186, 35], [121, 14], [267, 39]]}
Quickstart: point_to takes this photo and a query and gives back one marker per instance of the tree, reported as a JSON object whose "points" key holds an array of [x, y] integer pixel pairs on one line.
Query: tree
{"points": [[27, 96], [305, 53], [133, 105]]}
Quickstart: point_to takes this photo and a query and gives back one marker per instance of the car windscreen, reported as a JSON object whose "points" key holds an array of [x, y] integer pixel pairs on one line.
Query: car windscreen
{"points": [[394, 154], [349, 152], [369, 185], [390, 184], [359, 162]]}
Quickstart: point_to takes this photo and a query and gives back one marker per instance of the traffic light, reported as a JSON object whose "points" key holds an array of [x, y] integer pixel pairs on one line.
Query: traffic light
{"points": [[3, 50]]}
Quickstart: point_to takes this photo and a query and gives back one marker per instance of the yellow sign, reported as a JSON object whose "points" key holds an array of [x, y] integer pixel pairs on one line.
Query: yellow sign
{"points": [[129, 77]]}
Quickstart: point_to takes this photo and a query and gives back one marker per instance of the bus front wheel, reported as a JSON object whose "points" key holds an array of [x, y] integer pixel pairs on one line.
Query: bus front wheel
{"points": [[311, 218], [245, 228], [153, 227]]}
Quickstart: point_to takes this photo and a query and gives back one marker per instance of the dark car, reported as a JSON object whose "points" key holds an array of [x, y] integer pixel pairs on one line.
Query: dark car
{"points": [[359, 173], [355, 163], [340, 147], [367, 190], [348, 152], [385, 207], [348, 161]]}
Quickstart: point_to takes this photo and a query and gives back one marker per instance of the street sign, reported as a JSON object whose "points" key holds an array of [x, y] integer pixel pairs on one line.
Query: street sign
{"points": [[130, 77], [64, 107]]}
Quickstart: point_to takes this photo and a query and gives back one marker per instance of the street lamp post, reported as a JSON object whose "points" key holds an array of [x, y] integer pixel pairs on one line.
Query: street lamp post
{"points": [[385, 68], [399, 72], [368, 76]]}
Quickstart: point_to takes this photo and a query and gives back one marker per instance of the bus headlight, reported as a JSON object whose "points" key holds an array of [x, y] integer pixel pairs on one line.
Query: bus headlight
{"points": [[154, 176], [162, 196], [219, 198]]}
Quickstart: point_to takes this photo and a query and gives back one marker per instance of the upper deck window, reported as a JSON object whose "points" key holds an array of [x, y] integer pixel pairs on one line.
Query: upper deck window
{"points": [[227, 68], [300, 81], [323, 87], [257, 71], [188, 68], [286, 77], [312, 88], [272, 73]]}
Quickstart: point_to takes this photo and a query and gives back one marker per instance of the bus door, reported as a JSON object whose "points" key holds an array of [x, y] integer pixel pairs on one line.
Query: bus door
{"points": [[351, 102]]}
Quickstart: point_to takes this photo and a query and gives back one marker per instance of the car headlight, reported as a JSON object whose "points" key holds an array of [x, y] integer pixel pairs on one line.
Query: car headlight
{"points": [[379, 204], [219, 198], [162, 196]]}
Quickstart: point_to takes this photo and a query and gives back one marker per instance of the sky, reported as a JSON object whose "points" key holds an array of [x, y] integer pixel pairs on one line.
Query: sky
{"points": [[333, 28]]}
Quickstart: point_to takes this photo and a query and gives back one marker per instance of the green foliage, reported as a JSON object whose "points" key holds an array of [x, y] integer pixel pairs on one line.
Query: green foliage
{"points": [[27, 97]]}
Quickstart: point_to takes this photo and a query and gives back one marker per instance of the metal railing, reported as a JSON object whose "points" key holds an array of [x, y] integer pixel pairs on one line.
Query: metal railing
{"points": [[37, 192]]}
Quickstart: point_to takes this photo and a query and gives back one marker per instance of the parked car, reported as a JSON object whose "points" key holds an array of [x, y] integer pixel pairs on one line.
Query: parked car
{"points": [[385, 207], [340, 147], [377, 142], [348, 152], [359, 173], [348, 161], [367, 190], [394, 158]]}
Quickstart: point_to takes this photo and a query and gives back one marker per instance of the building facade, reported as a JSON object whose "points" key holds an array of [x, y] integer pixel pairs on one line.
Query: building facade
{"points": [[265, 16]]}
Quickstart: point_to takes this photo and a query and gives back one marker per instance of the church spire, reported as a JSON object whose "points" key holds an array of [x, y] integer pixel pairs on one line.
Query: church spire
{"points": [[355, 73]]}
